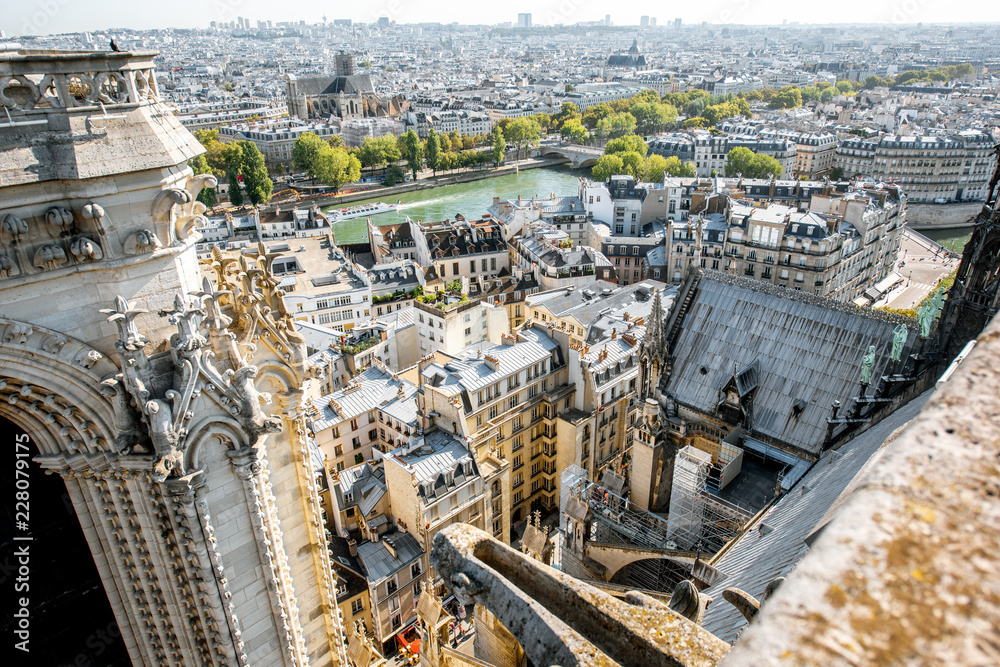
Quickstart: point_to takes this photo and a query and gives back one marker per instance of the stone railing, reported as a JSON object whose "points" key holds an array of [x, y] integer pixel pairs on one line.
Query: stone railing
{"points": [[40, 82]]}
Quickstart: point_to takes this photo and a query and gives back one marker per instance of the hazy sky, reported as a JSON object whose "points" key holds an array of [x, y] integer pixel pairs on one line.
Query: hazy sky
{"points": [[54, 16]]}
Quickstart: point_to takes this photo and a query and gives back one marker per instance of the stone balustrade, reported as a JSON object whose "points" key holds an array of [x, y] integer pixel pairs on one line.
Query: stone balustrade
{"points": [[33, 83]]}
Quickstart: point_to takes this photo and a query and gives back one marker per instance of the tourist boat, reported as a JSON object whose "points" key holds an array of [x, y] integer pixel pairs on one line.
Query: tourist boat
{"points": [[360, 211]]}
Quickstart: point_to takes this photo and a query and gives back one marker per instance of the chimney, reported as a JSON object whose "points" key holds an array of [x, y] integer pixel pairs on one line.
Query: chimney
{"points": [[390, 547], [352, 545]]}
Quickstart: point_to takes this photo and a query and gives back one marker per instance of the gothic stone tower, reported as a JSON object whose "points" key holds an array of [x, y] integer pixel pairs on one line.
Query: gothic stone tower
{"points": [[174, 416], [975, 297], [652, 468]]}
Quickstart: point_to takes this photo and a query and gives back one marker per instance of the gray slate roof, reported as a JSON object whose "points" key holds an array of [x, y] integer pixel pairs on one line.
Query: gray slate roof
{"points": [[378, 563], [808, 348], [758, 556]]}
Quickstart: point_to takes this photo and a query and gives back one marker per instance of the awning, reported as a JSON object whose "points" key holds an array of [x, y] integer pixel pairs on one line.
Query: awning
{"points": [[409, 638]]}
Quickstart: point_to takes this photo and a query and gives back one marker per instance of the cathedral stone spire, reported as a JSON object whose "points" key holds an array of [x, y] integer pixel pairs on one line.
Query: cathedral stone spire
{"points": [[652, 351]]}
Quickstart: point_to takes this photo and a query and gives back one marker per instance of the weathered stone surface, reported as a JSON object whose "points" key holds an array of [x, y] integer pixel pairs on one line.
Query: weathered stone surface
{"points": [[559, 620]]}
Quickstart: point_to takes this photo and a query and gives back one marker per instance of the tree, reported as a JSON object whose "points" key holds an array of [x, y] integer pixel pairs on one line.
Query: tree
{"points": [[633, 164], [336, 141], [651, 117], [307, 147], [837, 174], [810, 94], [694, 123], [445, 142], [336, 167], [232, 157], [628, 143], [499, 147], [607, 166], [569, 88], [876, 82], [521, 132], [207, 196], [675, 167], [596, 113], [744, 161], [394, 174], [574, 131], [654, 169], [433, 150], [258, 184], [617, 125], [827, 94], [845, 86], [209, 139], [412, 150], [789, 97]]}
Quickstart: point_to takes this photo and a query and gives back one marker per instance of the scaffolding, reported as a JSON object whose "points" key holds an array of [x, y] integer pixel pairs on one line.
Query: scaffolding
{"points": [[699, 520]]}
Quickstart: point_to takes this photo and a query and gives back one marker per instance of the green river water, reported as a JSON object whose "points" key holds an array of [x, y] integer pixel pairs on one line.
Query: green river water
{"points": [[470, 199]]}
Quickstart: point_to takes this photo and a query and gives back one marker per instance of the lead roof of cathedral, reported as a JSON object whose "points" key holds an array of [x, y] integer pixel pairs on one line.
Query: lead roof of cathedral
{"points": [[808, 348]]}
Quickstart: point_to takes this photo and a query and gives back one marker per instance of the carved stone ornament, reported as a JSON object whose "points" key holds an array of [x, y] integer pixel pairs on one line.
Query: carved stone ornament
{"points": [[86, 250], [178, 209], [141, 242], [49, 257], [198, 348], [8, 265]]}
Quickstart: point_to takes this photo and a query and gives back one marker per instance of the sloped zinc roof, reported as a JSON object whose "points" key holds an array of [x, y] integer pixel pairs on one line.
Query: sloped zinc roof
{"points": [[807, 348]]}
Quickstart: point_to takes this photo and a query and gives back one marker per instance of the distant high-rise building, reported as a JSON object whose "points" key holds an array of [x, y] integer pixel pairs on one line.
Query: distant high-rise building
{"points": [[643, 21], [607, 19], [383, 21], [524, 20], [343, 22], [652, 21], [677, 24]]}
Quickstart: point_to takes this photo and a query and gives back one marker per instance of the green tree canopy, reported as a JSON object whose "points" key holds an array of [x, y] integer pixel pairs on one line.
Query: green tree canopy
{"points": [[432, 150], [499, 147], [744, 161], [209, 139], [259, 186], [827, 94], [789, 97], [607, 166], [617, 125], [522, 131], [628, 143], [694, 123], [336, 167], [675, 167], [574, 131], [654, 169], [307, 147], [844, 86], [412, 150], [596, 113], [651, 117]]}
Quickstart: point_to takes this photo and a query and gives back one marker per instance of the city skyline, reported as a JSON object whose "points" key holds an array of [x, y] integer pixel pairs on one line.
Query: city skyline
{"points": [[64, 16]]}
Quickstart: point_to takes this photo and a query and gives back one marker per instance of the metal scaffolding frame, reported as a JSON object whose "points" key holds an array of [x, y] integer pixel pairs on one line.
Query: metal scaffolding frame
{"points": [[699, 520]]}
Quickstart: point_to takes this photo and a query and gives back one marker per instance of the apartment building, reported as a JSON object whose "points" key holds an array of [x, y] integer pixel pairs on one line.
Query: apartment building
{"points": [[321, 285], [434, 482], [505, 399], [839, 247], [450, 325], [475, 249], [371, 412], [554, 260], [394, 569], [931, 168], [709, 153]]}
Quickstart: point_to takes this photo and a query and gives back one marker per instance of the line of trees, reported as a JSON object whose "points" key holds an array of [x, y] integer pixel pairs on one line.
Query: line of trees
{"points": [[629, 155]]}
